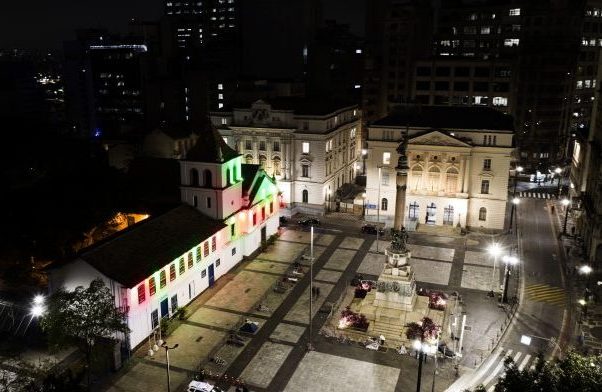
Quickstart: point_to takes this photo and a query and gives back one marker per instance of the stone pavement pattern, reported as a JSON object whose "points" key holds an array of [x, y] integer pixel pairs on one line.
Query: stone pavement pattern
{"points": [[275, 358]]}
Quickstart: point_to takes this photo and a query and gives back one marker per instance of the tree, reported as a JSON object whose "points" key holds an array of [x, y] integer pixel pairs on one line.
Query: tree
{"points": [[81, 317], [425, 330], [573, 373]]}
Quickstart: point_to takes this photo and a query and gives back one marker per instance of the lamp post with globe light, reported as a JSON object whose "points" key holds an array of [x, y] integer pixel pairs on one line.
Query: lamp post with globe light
{"points": [[38, 307], [509, 262], [586, 270], [167, 348], [558, 171], [519, 169], [515, 202], [494, 250]]}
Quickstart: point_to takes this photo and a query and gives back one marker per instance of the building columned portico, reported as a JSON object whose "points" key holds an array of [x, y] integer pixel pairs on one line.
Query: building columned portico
{"points": [[458, 166]]}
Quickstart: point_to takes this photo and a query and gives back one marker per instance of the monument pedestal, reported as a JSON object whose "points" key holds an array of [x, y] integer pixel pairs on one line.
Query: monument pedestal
{"points": [[396, 285]]}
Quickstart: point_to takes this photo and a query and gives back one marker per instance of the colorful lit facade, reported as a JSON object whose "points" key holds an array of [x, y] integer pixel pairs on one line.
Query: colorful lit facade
{"points": [[163, 263]]}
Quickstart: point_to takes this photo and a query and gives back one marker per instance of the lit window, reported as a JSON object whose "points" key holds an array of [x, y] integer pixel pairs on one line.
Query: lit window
{"points": [[386, 158], [514, 12], [190, 261], [305, 148], [587, 83], [511, 42], [358, 51], [198, 254], [358, 86], [485, 30], [182, 266], [206, 249], [500, 101], [220, 105], [224, 121], [579, 84], [172, 272], [352, 132], [213, 244], [220, 96]]}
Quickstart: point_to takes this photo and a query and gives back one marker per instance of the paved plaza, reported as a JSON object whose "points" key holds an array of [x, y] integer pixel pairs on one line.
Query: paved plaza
{"points": [[275, 357]]}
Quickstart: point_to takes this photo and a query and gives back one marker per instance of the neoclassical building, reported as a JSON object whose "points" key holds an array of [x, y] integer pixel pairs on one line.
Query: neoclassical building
{"points": [[459, 161], [311, 147]]}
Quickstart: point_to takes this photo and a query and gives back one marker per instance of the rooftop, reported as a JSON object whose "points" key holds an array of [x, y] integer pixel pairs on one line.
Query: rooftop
{"points": [[302, 106], [210, 146], [135, 254], [449, 117]]}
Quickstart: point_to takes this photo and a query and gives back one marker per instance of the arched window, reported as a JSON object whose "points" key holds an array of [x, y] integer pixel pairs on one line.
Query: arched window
{"points": [[451, 180], [194, 177], [483, 214], [416, 178], [262, 161], [276, 163], [305, 196], [384, 204], [207, 178], [414, 210], [434, 175], [249, 159]]}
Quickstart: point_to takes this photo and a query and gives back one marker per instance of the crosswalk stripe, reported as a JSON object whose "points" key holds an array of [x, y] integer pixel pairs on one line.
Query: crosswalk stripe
{"points": [[524, 362], [490, 362], [497, 369]]}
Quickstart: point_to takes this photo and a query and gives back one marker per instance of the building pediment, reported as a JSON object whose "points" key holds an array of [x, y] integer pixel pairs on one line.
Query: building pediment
{"points": [[437, 138]]}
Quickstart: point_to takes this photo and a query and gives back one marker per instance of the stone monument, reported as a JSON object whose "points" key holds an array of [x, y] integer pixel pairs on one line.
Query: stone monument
{"points": [[396, 285]]}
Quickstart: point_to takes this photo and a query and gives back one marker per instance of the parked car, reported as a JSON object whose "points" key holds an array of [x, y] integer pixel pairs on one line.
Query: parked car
{"points": [[309, 222], [371, 229], [446, 351], [201, 386]]}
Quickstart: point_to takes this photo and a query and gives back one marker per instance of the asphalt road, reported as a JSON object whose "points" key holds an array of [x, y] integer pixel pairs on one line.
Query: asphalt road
{"points": [[542, 311]]}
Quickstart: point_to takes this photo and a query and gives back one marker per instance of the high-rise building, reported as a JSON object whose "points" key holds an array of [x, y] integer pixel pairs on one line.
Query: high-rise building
{"points": [[518, 56], [104, 81]]}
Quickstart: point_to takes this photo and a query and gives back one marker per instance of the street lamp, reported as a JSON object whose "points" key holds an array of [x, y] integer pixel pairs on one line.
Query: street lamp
{"points": [[509, 261], [519, 169], [422, 349], [526, 340], [515, 202], [583, 303], [565, 203], [363, 205], [586, 270], [167, 348], [558, 171], [364, 155], [38, 307], [494, 250], [380, 168]]}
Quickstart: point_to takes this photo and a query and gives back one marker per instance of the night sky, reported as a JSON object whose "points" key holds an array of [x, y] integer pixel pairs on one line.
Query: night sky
{"points": [[47, 23]]}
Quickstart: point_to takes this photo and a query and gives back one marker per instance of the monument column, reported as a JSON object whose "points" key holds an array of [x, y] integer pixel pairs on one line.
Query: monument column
{"points": [[401, 180]]}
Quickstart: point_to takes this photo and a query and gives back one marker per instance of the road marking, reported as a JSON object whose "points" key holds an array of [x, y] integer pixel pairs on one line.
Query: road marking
{"points": [[490, 361], [545, 293], [524, 362], [497, 369]]}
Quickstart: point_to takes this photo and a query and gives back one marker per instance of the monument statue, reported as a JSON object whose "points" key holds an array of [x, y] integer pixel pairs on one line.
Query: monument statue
{"points": [[399, 240], [401, 182]]}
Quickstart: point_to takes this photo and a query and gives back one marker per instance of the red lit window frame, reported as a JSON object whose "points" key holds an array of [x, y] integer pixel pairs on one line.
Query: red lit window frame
{"points": [[206, 249], [141, 293]]}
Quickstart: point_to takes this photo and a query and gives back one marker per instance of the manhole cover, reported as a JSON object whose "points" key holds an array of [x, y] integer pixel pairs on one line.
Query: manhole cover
{"points": [[596, 332]]}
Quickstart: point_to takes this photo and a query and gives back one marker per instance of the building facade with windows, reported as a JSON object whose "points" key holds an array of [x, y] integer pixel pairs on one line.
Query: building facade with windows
{"points": [[310, 147], [459, 160], [229, 209]]}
